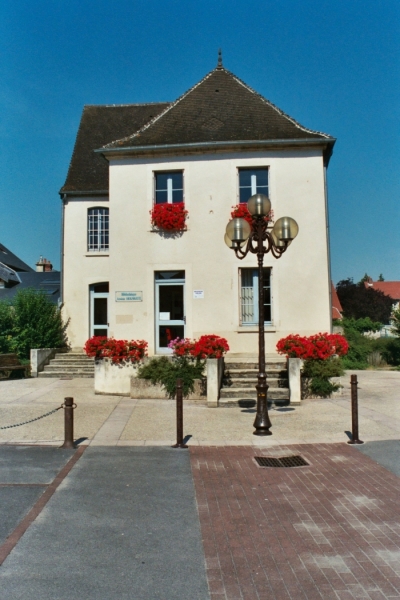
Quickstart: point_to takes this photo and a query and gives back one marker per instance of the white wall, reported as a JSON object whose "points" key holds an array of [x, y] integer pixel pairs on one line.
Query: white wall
{"points": [[300, 277]]}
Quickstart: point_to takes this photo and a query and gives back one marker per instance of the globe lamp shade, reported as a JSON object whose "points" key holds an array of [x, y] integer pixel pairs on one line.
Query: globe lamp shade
{"points": [[286, 229], [279, 243], [238, 230], [230, 245], [259, 205]]}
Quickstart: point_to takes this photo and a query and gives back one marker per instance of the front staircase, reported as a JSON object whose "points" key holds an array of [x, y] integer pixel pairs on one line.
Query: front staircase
{"points": [[69, 365], [240, 379]]}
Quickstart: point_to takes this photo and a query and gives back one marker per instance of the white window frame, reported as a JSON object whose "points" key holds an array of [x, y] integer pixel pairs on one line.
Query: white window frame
{"points": [[169, 189], [98, 239], [250, 297], [253, 189]]}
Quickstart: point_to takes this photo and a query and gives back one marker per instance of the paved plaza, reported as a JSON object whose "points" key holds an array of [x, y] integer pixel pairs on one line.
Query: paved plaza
{"points": [[125, 516]]}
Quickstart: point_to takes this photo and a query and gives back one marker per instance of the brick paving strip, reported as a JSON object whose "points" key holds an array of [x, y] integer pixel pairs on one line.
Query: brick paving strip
{"points": [[330, 530], [34, 512]]}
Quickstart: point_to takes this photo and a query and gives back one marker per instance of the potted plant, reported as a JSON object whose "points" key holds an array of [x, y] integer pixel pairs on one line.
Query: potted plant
{"points": [[169, 217]]}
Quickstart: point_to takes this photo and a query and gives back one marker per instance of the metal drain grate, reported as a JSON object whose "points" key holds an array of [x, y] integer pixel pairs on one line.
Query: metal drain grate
{"points": [[283, 461]]}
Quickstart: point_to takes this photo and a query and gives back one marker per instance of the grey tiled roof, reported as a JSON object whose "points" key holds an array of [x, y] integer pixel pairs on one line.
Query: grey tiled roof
{"points": [[220, 108], [8, 275], [9, 259], [47, 282], [100, 125]]}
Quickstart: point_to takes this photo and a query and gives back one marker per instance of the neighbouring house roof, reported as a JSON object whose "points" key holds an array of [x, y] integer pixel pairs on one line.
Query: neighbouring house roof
{"points": [[88, 171], [337, 309], [220, 109], [10, 260], [390, 288], [47, 282], [9, 276]]}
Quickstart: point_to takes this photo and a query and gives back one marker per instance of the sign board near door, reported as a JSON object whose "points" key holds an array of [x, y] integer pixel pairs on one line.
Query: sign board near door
{"points": [[128, 296]]}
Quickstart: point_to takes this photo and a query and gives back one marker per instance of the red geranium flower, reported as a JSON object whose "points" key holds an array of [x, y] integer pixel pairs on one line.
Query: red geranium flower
{"points": [[170, 217]]}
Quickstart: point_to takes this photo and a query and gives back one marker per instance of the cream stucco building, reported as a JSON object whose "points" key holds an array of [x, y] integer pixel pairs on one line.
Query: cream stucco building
{"points": [[212, 148]]}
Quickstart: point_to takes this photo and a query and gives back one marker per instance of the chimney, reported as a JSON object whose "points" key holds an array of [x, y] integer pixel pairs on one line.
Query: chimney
{"points": [[43, 265]]}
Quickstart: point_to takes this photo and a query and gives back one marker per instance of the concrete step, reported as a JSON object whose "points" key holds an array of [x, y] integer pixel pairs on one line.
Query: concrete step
{"points": [[254, 365], [251, 393], [63, 374], [274, 382], [68, 368], [245, 373]]}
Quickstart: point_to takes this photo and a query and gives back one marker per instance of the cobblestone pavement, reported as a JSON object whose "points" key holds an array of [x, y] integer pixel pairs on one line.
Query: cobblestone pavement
{"points": [[328, 531]]}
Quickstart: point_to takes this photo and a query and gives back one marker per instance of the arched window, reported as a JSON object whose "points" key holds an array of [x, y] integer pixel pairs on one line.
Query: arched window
{"points": [[98, 229]]}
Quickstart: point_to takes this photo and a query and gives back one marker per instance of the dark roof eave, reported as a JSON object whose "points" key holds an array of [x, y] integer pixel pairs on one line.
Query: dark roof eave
{"points": [[63, 192], [327, 143]]}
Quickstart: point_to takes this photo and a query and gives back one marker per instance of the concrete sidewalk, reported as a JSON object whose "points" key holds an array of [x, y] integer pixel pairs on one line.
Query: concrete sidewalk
{"points": [[120, 421], [123, 524]]}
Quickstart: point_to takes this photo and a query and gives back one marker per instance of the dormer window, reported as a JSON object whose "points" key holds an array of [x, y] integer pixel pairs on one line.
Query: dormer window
{"points": [[169, 187]]}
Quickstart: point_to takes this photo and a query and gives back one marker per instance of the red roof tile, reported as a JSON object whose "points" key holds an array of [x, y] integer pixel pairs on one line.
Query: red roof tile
{"points": [[390, 288]]}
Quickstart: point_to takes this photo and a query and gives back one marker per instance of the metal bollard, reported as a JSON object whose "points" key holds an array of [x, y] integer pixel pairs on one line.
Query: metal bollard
{"points": [[179, 416], [68, 407], [354, 411]]}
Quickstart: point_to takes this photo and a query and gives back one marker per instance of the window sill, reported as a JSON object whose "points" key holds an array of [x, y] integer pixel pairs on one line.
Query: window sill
{"points": [[254, 329], [99, 253]]}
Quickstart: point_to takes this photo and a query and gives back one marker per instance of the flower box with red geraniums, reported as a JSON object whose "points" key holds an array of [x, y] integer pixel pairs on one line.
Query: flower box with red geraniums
{"points": [[169, 217], [116, 361], [118, 351], [207, 346], [321, 346], [241, 211]]}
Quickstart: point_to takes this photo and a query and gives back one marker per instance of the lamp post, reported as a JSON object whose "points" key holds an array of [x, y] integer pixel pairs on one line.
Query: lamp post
{"points": [[260, 238]]}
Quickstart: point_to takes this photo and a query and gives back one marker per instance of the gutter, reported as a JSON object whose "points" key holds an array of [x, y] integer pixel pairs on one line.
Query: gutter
{"points": [[327, 143], [64, 194]]}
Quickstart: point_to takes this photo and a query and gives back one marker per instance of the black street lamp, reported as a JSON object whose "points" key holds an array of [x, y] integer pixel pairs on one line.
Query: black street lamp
{"points": [[259, 238]]}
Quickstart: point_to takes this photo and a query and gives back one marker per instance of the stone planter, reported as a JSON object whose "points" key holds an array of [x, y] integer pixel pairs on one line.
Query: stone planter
{"points": [[143, 389], [113, 379]]}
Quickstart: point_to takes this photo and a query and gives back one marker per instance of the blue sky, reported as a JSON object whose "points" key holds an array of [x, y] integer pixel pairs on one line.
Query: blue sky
{"points": [[333, 66]]}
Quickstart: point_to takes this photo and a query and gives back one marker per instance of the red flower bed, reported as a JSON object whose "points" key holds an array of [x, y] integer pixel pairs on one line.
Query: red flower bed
{"points": [[207, 346], [117, 350], [241, 211], [170, 217], [320, 346]]}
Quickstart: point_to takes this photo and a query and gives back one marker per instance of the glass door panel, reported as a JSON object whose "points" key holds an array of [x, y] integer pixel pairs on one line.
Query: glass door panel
{"points": [[170, 314], [98, 312]]}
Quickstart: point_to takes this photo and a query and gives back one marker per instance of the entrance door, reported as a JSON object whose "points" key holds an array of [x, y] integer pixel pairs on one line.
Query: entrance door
{"points": [[170, 311], [99, 309]]}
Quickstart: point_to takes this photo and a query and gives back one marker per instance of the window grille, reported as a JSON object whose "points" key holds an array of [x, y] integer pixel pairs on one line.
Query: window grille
{"points": [[98, 229], [249, 296]]}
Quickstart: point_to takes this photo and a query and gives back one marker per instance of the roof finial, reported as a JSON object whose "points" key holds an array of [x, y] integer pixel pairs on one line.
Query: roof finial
{"points": [[219, 65]]}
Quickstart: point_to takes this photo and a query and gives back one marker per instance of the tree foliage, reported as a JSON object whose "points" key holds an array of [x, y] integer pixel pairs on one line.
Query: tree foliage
{"points": [[30, 321], [359, 302]]}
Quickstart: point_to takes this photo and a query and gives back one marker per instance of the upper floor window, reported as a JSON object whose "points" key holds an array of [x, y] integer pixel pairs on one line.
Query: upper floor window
{"points": [[169, 187], [98, 229], [249, 296], [252, 181]]}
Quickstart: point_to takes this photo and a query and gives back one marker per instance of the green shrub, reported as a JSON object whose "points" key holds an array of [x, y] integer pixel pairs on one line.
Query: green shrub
{"points": [[165, 371], [6, 325], [319, 371], [30, 321]]}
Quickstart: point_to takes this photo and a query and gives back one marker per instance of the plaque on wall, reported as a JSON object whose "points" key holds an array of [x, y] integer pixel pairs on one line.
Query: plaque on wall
{"points": [[128, 296]]}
